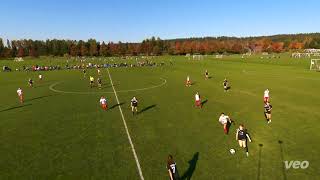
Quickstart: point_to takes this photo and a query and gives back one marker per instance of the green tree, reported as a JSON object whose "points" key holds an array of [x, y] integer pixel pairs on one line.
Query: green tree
{"points": [[1, 48]]}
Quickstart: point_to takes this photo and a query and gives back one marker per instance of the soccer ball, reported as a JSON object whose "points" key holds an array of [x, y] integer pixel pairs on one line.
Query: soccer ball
{"points": [[232, 151]]}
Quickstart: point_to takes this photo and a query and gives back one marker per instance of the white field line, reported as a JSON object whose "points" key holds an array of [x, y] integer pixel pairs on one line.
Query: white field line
{"points": [[126, 127], [51, 87]]}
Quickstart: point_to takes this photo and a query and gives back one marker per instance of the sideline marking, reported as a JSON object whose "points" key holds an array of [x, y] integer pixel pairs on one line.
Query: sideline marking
{"points": [[126, 127], [51, 87]]}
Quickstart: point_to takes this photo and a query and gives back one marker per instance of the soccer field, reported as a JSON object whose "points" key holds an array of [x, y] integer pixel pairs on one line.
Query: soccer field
{"points": [[60, 132]]}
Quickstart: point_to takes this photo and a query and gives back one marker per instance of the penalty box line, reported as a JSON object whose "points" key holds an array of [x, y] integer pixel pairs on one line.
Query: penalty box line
{"points": [[127, 130]]}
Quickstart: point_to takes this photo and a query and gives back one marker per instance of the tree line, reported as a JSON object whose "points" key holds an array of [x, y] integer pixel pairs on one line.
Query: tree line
{"points": [[157, 46]]}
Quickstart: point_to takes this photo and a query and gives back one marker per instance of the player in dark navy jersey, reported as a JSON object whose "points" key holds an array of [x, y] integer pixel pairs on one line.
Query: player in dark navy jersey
{"points": [[84, 73], [134, 105], [267, 111], [225, 85], [99, 81], [30, 82], [172, 169], [206, 74], [242, 136]]}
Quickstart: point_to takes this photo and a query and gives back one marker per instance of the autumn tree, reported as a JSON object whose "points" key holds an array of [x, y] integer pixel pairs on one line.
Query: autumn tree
{"points": [[93, 47], [157, 46], [103, 51], [83, 50], [73, 49], [296, 45], [20, 51], [277, 47]]}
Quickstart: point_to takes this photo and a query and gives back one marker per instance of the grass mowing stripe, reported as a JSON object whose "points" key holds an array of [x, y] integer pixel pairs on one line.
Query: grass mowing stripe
{"points": [[126, 127]]}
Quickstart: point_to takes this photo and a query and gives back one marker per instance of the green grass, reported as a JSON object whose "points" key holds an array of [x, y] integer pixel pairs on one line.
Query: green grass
{"points": [[67, 136]]}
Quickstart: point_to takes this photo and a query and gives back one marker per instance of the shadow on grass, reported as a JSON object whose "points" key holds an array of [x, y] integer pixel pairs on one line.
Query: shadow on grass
{"points": [[116, 105], [282, 160], [147, 108], [43, 84], [204, 102], [192, 167], [259, 161], [15, 107], [108, 86], [40, 97]]}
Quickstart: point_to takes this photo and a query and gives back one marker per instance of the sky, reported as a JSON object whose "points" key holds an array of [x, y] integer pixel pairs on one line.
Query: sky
{"points": [[135, 20]]}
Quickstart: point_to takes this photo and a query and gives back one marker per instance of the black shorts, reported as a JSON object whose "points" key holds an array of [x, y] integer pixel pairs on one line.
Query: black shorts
{"points": [[267, 112], [176, 177], [91, 82], [135, 105]]}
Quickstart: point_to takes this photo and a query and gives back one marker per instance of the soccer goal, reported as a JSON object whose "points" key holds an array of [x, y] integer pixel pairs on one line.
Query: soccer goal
{"points": [[197, 57], [315, 64]]}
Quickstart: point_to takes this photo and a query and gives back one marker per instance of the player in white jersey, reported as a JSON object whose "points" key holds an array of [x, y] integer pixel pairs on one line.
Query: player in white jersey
{"points": [[188, 82], [198, 100], [40, 77], [266, 96], [224, 120], [103, 103], [20, 94]]}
